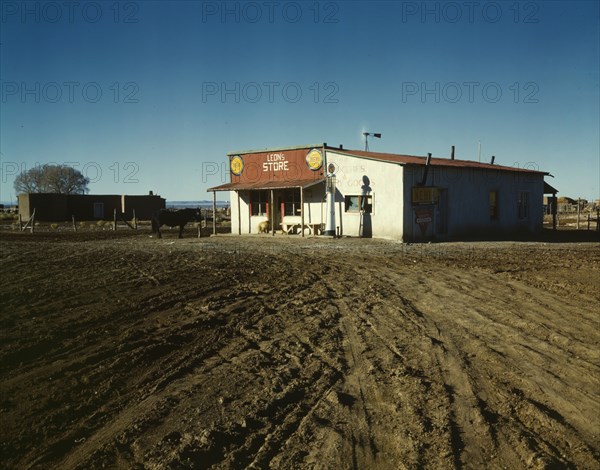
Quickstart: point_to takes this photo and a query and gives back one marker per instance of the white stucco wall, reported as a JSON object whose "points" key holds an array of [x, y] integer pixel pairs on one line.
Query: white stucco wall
{"points": [[384, 185]]}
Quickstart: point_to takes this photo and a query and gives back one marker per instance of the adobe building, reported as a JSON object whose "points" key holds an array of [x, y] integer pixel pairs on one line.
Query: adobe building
{"points": [[381, 195], [53, 207]]}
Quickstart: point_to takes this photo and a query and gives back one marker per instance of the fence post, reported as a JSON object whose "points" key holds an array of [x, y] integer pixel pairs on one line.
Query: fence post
{"points": [[115, 220], [578, 211], [214, 211], [134, 220], [33, 221], [20, 223], [74, 224]]}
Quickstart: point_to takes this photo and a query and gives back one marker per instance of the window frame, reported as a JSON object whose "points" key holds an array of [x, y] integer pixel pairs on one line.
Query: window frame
{"points": [[291, 202], [259, 200], [359, 202]]}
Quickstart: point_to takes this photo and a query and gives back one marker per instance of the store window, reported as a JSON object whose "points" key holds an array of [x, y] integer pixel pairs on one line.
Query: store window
{"points": [[523, 204], [359, 203], [291, 202], [259, 202]]}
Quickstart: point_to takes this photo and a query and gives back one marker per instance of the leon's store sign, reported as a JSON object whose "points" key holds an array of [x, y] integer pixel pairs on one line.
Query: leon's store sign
{"points": [[296, 164]]}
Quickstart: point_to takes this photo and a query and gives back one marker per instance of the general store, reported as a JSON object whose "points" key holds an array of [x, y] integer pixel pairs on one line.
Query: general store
{"points": [[324, 190]]}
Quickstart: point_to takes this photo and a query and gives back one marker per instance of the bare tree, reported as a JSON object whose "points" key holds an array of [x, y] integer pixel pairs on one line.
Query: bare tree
{"points": [[61, 179]]}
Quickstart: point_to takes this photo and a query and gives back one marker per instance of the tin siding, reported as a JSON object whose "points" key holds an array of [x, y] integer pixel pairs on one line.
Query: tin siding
{"points": [[468, 200]]}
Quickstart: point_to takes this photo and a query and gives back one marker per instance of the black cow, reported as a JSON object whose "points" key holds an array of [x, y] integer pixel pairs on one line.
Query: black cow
{"points": [[173, 218]]}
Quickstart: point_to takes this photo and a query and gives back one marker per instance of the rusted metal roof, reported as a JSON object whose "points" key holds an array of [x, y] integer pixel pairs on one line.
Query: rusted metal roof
{"points": [[304, 183], [414, 160]]}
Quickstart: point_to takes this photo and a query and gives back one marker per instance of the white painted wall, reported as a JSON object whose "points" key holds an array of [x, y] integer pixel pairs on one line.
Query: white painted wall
{"points": [[385, 182]]}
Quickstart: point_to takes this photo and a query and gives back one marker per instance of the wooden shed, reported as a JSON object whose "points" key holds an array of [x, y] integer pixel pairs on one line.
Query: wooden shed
{"points": [[60, 207]]}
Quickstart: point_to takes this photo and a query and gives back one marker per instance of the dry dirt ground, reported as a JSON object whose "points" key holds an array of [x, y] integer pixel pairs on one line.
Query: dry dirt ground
{"points": [[125, 351]]}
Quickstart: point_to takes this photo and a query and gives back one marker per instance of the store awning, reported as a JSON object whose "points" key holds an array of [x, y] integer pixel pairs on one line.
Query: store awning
{"points": [[258, 185]]}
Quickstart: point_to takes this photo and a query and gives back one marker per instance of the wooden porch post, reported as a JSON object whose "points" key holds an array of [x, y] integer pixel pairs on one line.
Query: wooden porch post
{"points": [[239, 213], [554, 210], [272, 212], [302, 209], [214, 212]]}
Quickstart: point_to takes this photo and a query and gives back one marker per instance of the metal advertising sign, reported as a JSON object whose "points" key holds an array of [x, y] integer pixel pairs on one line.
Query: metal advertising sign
{"points": [[424, 195], [314, 159], [236, 165], [423, 217]]}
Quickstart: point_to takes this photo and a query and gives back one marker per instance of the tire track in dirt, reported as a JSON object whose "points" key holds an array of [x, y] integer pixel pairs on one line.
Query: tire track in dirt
{"points": [[477, 391], [376, 409], [263, 446], [235, 355]]}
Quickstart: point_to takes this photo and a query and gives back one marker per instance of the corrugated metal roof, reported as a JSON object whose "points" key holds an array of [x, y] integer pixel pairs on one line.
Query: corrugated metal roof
{"points": [[414, 160], [305, 183]]}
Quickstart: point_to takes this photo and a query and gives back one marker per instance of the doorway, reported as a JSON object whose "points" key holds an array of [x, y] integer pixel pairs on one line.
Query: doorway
{"points": [[441, 213], [98, 210]]}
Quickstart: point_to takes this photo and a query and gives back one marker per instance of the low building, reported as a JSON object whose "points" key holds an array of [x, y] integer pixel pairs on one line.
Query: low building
{"points": [[381, 195], [53, 207]]}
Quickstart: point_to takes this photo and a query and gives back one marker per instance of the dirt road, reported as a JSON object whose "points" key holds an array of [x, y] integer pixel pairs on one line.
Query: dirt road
{"points": [[238, 352]]}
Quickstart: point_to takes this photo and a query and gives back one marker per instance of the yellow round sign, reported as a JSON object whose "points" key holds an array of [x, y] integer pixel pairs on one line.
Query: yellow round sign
{"points": [[314, 159], [237, 165]]}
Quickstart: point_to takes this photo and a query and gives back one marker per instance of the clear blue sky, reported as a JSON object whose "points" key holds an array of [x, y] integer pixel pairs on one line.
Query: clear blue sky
{"points": [[152, 95]]}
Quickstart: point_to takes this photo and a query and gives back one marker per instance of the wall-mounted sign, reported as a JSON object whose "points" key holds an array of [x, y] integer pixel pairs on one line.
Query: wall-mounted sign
{"points": [[423, 217], [425, 195], [237, 165], [273, 165], [276, 162], [314, 159]]}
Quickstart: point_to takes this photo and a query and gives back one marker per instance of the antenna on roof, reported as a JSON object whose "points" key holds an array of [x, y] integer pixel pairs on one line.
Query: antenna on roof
{"points": [[367, 134], [479, 156]]}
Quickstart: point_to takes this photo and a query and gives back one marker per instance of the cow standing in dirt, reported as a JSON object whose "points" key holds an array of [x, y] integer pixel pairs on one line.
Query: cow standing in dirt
{"points": [[173, 218]]}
